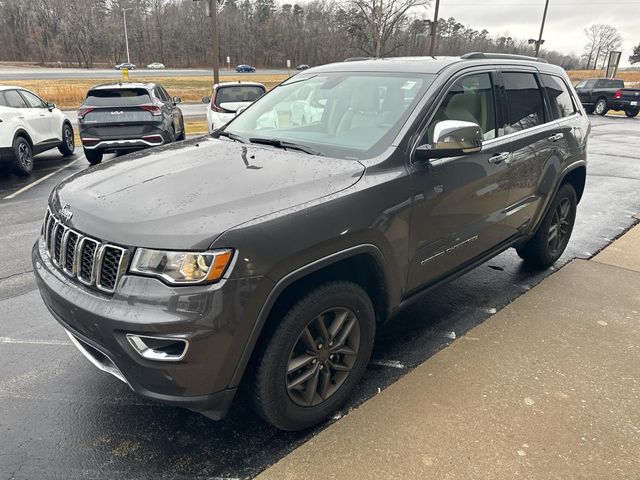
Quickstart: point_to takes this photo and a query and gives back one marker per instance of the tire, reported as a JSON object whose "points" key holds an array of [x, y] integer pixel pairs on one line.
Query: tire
{"points": [[68, 146], [542, 250], [632, 113], [23, 157], [601, 108], [94, 157], [290, 407], [182, 135]]}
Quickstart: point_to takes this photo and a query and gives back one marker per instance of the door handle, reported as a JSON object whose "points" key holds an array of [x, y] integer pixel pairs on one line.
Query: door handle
{"points": [[556, 137], [497, 158]]}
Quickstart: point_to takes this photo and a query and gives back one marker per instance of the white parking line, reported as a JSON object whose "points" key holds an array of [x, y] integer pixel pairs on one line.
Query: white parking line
{"points": [[32, 342], [37, 182]]}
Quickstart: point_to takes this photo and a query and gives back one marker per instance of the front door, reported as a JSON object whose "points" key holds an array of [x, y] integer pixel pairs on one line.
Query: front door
{"points": [[459, 202]]}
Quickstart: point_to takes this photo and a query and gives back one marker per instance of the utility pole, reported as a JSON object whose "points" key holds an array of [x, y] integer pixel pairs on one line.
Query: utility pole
{"points": [[434, 28], [213, 15], [544, 17], [126, 37]]}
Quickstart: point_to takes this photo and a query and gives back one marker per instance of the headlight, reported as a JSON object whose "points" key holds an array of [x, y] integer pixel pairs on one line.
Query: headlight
{"points": [[182, 268]]}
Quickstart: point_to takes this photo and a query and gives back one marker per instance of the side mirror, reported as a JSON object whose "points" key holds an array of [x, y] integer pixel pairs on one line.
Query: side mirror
{"points": [[452, 138], [176, 100], [51, 106], [206, 99]]}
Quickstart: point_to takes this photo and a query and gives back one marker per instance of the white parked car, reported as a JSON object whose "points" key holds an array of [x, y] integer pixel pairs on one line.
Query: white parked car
{"points": [[29, 126], [155, 66], [227, 98]]}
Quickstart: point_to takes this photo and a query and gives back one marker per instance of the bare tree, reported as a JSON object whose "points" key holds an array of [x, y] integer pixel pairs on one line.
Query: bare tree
{"points": [[601, 39], [376, 22]]}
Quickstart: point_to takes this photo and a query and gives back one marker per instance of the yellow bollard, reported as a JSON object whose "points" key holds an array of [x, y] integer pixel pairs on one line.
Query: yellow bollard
{"points": [[125, 74]]}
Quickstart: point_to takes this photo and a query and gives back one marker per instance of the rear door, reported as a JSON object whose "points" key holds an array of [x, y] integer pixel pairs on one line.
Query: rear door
{"points": [[43, 119], [534, 140], [119, 113], [459, 202]]}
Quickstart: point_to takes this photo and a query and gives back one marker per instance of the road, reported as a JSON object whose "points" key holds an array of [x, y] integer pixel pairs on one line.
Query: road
{"points": [[60, 418], [70, 73]]}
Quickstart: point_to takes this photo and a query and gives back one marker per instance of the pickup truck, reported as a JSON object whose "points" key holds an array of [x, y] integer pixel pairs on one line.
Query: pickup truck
{"points": [[599, 95]]}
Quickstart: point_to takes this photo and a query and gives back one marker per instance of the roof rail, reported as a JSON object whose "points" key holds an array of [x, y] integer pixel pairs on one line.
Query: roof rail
{"points": [[500, 56], [358, 59]]}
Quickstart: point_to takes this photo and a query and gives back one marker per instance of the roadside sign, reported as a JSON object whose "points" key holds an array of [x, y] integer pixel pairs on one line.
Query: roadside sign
{"points": [[228, 59], [612, 65], [288, 63]]}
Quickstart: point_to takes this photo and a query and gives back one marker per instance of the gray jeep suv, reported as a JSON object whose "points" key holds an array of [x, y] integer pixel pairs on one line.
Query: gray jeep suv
{"points": [[264, 258]]}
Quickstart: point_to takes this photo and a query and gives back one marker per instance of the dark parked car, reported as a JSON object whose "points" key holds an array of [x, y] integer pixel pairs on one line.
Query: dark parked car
{"points": [[245, 69], [264, 257], [304, 66], [128, 66], [128, 116], [599, 95]]}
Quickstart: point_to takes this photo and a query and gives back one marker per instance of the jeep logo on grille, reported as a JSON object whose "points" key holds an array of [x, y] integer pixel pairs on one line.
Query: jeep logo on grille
{"points": [[65, 213], [120, 112]]}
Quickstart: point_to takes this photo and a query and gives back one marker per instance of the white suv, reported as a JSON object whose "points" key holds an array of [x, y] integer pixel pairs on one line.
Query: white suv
{"points": [[28, 126], [227, 98]]}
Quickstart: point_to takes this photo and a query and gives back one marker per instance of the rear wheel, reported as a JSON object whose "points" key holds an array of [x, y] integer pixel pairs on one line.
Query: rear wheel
{"points": [[68, 146], [183, 134], [632, 113], [315, 357], [553, 234], [94, 157], [23, 157], [601, 107]]}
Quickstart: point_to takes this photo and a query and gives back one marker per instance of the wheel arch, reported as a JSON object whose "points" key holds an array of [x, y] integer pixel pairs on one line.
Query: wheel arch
{"points": [[21, 132], [577, 177], [362, 264]]}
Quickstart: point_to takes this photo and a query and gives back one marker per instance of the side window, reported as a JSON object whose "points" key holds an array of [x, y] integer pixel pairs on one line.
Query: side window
{"points": [[469, 99], [14, 99], [3, 101], [561, 104], [525, 107], [166, 94], [159, 95], [32, 100]]}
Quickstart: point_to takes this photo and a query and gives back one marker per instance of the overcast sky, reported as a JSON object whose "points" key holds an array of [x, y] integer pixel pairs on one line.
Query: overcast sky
{"points": [[566, 20]]}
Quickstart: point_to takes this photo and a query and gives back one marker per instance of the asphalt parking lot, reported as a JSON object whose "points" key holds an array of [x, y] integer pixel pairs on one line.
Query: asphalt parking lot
{"points": [[60, 418]]}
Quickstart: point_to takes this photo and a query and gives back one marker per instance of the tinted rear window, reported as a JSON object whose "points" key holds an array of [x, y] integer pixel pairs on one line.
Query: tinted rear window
{"points": [[238, 94], [121, 97], [525, 105], [561, 104]]}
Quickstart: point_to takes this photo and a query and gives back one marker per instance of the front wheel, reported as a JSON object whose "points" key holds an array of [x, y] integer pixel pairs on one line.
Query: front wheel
{"points": [[94, 157], [68, 146], [632, 113], [601, 108], [315, 357], [553, 234]]}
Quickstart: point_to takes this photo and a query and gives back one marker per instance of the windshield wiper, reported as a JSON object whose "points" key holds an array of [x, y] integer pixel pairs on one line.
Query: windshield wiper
{"points": [[232, 136], [274, 142]]}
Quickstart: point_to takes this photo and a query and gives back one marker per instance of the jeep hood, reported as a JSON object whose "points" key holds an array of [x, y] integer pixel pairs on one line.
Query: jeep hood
{"points": [[183, 196]]}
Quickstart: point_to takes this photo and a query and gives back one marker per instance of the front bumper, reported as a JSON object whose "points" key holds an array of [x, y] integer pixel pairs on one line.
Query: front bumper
{"points": [[215, 319]]}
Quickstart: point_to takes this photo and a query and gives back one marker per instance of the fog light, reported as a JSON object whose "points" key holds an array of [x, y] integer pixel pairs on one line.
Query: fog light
{"points": [[160, 349]]}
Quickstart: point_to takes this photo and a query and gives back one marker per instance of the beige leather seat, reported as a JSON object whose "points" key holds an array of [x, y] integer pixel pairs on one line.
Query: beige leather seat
{"points": [[362, 112]]}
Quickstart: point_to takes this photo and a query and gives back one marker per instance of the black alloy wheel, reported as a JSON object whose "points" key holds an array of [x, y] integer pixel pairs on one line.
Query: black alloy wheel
{"points": [[323, 357]]}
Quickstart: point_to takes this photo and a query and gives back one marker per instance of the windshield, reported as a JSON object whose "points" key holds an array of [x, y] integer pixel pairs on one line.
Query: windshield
{"points": [[343, 115]]}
